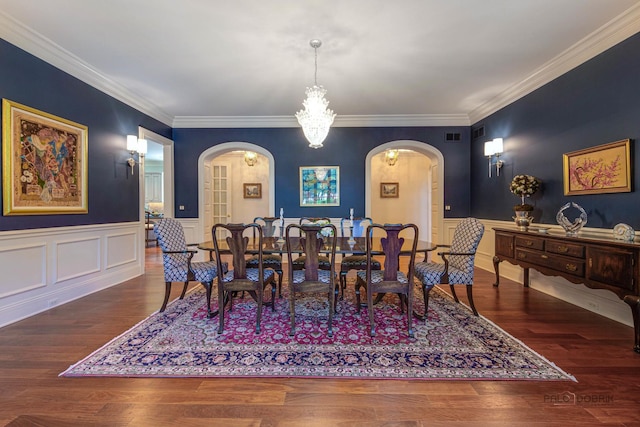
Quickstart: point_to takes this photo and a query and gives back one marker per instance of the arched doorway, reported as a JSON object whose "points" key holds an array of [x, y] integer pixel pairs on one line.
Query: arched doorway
{"points": [[430, 193], [204, 164]]}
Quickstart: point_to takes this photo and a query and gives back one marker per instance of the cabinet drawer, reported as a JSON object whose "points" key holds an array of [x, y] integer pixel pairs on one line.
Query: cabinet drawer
{"points": [[563, 265], [563, 248], [530, 242]]}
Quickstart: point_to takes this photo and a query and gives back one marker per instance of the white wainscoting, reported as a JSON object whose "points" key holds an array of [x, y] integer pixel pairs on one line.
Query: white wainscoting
{"points": [[599, 301], [44, 268]]}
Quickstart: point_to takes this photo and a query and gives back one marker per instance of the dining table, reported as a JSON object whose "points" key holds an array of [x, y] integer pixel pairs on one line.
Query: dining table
{"points": [[344, 245]]}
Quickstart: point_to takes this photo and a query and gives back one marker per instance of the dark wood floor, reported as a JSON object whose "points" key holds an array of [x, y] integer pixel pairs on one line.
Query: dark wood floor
{"points": [[596, 350]]}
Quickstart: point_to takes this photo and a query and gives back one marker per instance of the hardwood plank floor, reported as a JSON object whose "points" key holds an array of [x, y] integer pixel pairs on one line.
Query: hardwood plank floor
{"points": [[598, 351]]}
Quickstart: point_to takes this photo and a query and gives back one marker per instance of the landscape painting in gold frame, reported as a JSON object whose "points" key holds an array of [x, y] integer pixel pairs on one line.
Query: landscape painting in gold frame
{"points": [[601, 169], [389, 190], [44, 168], [252, 190]]}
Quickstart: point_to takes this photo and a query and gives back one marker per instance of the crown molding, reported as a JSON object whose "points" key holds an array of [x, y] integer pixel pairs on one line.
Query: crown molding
{"points": [[613, 32], [340, 121], [43, 48]]}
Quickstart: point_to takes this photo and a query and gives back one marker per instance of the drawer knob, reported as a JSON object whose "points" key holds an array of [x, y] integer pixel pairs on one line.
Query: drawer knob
{"points": [[571, 267], [544, 256], [562, 249], [528, 243]]}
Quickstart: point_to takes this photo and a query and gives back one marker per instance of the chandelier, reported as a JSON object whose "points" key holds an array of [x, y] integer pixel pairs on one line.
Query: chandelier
{"points": [[316, 118], [250, 157], [391, 157]]}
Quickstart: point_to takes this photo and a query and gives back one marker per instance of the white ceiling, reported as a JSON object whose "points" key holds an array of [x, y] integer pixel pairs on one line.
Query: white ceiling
{"points": [[248, 62]]}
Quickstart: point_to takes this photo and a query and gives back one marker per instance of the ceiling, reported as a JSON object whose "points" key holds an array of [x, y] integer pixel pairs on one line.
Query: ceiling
{"points": [[208, 63]]}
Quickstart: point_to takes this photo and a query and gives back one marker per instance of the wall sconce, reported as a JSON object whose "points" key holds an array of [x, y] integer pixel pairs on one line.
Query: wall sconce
{"points": [[250, 157], [135, 145], [391, 157], [491, 149]]}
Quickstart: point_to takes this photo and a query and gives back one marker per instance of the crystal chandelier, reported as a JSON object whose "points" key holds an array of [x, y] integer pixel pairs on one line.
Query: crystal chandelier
{"points": [[316, 118]]}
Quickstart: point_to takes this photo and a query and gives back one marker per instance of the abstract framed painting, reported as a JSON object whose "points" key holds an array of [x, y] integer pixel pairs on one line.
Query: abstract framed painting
{"points": [[44, 162], [597, 170], [319, 186]]}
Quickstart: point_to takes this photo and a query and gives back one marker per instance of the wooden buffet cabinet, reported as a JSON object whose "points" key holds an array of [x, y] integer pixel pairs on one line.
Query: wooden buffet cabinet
{"points": [[597, 262]]}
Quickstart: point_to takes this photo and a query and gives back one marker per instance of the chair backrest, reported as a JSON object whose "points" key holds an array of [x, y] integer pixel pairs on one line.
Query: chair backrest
{"points": [[357, 229], [311, 242], [466, 239], [170, 235], [237, 243], [171, 238], [392, 245], [267, 223]]}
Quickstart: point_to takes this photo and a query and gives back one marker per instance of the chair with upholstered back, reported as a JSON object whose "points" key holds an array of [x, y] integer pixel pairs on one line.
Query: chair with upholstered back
{"points": [[177, 263], [273, 261], [457, 266], [390, 279], [311, 278], [324, 261], [354, 261], [241, 278]]}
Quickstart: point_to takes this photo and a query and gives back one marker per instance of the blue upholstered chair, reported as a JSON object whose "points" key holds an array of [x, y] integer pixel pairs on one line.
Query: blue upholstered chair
{"points": [[457, 267], [176, 260]]}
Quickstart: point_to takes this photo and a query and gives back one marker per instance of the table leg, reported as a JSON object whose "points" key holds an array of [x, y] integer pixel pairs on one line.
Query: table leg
{"points": [[634, 303]]}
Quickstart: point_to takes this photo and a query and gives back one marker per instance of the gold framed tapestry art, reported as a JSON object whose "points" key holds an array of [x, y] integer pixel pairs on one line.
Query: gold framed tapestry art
{"points": [[44, 162]]}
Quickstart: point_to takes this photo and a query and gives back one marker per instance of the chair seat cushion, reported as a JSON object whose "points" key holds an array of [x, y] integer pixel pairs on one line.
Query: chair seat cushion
{"points": [[430, 274], [378, 276], [324, 276], [204, 271], [252, 274], [358, 262], [268, 260]]}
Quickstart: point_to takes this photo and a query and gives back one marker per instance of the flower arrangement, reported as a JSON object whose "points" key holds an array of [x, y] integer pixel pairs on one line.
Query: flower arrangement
{"points": [[524, 186]]}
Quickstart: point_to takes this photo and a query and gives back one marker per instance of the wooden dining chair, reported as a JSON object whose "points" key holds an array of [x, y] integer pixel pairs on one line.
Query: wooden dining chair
{"points": [[311, 278], [354, 261], [325, 263], [177, 263], [457, 263], [241, 278], [390, 279], [272, 261]]}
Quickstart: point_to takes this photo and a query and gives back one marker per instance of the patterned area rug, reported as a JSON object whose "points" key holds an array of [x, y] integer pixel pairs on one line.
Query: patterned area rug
{"points": [[452, 344]]}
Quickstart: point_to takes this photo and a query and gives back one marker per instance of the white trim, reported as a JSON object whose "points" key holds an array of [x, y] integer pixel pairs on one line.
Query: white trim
{"points": [[615, 31]]}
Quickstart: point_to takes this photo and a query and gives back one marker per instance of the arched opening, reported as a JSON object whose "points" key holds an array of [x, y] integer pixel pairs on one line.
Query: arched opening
{"points": [[422, 196]]}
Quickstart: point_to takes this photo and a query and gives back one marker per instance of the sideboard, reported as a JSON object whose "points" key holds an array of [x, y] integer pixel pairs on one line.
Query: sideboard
{"points": [[597, 262]]}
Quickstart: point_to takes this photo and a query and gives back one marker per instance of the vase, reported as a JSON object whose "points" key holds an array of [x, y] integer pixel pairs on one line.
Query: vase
{"points": [[572, 228], [523, 219]]}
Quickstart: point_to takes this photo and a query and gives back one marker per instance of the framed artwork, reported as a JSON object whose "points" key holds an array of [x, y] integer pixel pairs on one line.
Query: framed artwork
{"points": [[389, 190], [319, 186], [596, 170], [44, 162], [252, 190]]}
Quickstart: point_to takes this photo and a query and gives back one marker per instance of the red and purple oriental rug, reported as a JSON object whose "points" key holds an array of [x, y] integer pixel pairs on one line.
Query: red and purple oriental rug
{"points": [[452, 344]]}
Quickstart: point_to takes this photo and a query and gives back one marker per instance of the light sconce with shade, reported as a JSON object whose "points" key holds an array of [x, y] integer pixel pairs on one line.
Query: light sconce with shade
{"points": [[250, 158], [135, 145], [493, 149], [316, 118], [391, 157]]}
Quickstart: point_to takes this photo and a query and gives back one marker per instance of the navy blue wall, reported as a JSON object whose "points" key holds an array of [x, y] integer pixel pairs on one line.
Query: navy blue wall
{"points": [[344, 147], [113, 191], [596, 103]]}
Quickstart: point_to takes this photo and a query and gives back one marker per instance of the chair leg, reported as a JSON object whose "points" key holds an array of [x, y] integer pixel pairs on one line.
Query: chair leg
{"points": [[470, 296], [273, 292], [184, 289], [453, 293], [410, 311], [359, 284], [279, 283], [292, 311], [221, 307], [425, 294], [332, 309], [208, 286], [167, 291], [372, 325], [343, 283], [259, 295]]}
